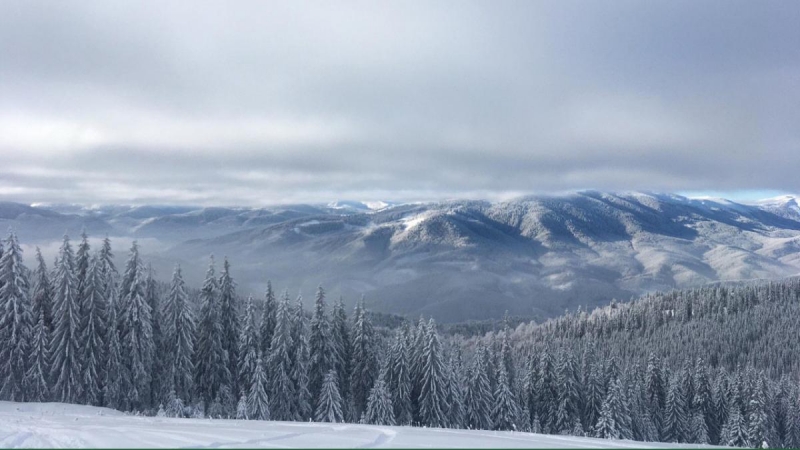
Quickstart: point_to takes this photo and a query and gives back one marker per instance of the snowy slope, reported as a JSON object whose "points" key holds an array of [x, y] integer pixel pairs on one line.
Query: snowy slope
{"points": [[61, 425]]}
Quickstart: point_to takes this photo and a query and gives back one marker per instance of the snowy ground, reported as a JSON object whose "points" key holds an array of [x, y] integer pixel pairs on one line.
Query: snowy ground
{"points": [[61, 425]]}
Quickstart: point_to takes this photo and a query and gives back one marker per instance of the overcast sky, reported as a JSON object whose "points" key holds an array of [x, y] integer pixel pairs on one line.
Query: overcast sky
{"points": [[255, 103]]}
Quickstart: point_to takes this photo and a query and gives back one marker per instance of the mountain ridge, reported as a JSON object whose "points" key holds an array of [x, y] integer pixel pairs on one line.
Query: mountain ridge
{"points": [[459, 260]]}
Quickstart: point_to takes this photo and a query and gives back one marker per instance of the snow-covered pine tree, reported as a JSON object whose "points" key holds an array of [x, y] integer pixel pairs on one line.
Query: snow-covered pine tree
{"points": [[614, 420], [734, 432], [547, 401], [42, 297], [179, 335], [321, 345], [398, 381], [175, 406], [416, 361], [257, 399], [211, 361], [704, 402], [432, 395], [329, 408], [116, 382], [364, 363], [137, 342], [568, 400], [595, 395], [282, 398], [66, 369], [379, 406], [267, 325], [229, 316], [82, 258], [38, 376], [478, 399], [241, 408], [760, 430], [249, 346], [505, 413], [340, 336], [792, 438], [455, 394], [93, 333], [304, 409], [656, 392], [675, 413], [15, 322], [159, 387]]}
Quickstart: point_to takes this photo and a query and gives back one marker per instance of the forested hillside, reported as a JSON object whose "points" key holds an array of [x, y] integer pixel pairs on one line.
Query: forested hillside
{"points": [[710, 365]]}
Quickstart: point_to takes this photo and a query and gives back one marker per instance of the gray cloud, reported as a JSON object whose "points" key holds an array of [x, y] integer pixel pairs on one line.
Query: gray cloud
{"points": [[268, 102]]}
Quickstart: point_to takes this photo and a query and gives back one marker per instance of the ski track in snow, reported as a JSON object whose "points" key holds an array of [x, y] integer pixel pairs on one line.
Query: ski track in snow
{"points": [[65, 426]]}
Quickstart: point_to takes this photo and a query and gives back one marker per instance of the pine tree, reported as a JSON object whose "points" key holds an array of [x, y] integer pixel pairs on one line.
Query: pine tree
{"points": [[66, 369], [655, 390], [249, 346], [42, 297], [329, 408], [229, 316], [478, 399], [241, 408], [257, 399], [116, 377], [379, 406], [760, 432], [365, 364], [397, 378], [568, 411], [432, 392], [137, 342], [321, 344], [175, 406], [211, 361], [179, 335], [93, 333], [15, 322], [38, 376], [505, 413], [300, 365], [455, 394], [268, 320], [698, 428], [282, 400], [734, 432], [614, 420], [675, 413], [159, 388], [340, 336]]}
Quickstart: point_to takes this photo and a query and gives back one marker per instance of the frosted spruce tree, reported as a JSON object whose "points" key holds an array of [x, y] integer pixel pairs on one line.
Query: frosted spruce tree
{"points": [[159, 386], [212, 376], [116, 382], [179, 335], [267, 325], [505, 414], [66, 368], [329, 408], [398, 378], [478, 399], [304, 410], [257, 399], [614, 420], [249, 346], [674, 426], [283, 398], [15, 322], [364, 360], [379, 406], [569, 397], [321, 344], [93, 333], [137, 342], [455, 394], [42, 295], [229, 316], [432, 391], [340, 336]]}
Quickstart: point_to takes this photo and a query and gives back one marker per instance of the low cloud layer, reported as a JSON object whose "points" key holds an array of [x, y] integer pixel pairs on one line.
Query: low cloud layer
{"points": [[254, 103]]}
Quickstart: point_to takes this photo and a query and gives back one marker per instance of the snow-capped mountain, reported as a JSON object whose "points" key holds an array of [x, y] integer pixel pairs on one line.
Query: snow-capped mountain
{"points": [[458, 260]]}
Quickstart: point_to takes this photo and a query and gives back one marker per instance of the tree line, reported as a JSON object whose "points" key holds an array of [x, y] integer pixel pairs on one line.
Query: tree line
{"points": [[707, 365]]}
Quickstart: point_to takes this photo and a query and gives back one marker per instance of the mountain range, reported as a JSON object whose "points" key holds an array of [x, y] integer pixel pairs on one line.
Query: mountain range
{"points": [[458, 260]]}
